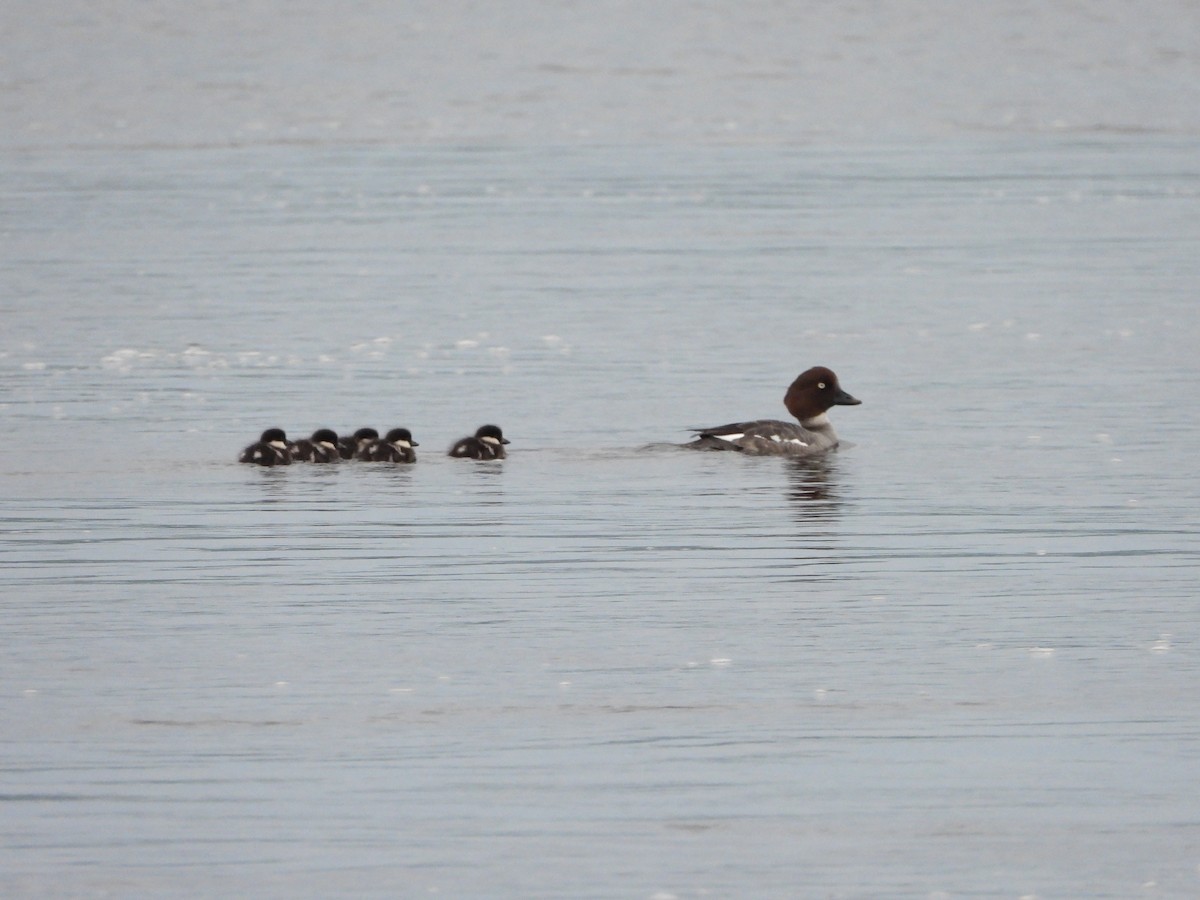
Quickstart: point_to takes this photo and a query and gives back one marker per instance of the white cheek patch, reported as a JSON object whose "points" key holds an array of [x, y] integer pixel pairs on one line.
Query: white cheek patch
{"points": [[403, 444], [278, 445], [491, 440]]}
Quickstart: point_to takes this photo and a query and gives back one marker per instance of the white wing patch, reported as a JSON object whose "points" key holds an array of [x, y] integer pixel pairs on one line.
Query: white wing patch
{"points": [[729, 437]]}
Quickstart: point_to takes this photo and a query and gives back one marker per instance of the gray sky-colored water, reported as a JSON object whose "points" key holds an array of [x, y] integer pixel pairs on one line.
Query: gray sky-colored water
{"points": [[548, 72]]}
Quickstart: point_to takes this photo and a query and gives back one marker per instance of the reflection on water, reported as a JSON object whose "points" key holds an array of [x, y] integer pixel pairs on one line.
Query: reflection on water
{"points": [[813, 487]]}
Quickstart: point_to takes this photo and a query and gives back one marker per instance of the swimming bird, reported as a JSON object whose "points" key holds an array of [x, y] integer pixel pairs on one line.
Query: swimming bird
{"points": [[271, 449], [808, 398], [320, 448], [350, 445], [487, 443], [396, 447]]}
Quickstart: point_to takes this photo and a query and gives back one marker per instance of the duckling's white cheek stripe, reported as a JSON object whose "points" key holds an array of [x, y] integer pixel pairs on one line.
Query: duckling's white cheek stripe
{"points": [[490, 440]]}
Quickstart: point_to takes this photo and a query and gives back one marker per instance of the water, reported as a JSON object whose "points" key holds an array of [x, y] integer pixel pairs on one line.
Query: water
{"points": [[956, 658]]}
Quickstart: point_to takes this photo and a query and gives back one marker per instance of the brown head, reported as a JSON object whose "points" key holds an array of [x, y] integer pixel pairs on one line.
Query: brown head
{"points": [[815, 391]]}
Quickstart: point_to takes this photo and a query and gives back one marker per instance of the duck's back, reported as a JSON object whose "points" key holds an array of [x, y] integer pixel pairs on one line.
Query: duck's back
{"points": [[766, 437], [471, 448]]}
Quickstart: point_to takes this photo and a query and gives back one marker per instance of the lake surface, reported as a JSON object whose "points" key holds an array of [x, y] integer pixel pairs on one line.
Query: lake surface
{"points": [[956, 658]]}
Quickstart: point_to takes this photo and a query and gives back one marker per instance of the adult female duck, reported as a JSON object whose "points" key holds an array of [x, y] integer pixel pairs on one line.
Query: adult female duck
{"points": [[809, 398]]}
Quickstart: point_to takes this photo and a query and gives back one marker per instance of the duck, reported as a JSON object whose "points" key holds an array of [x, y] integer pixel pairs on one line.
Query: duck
{"points": [[320, 448], [487, 443], [271, 449], [349, 446], [396, 447], [809, 398]]}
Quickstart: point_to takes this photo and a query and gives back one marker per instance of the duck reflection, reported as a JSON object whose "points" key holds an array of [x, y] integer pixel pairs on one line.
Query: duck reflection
{"points": [[813, 488]]}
